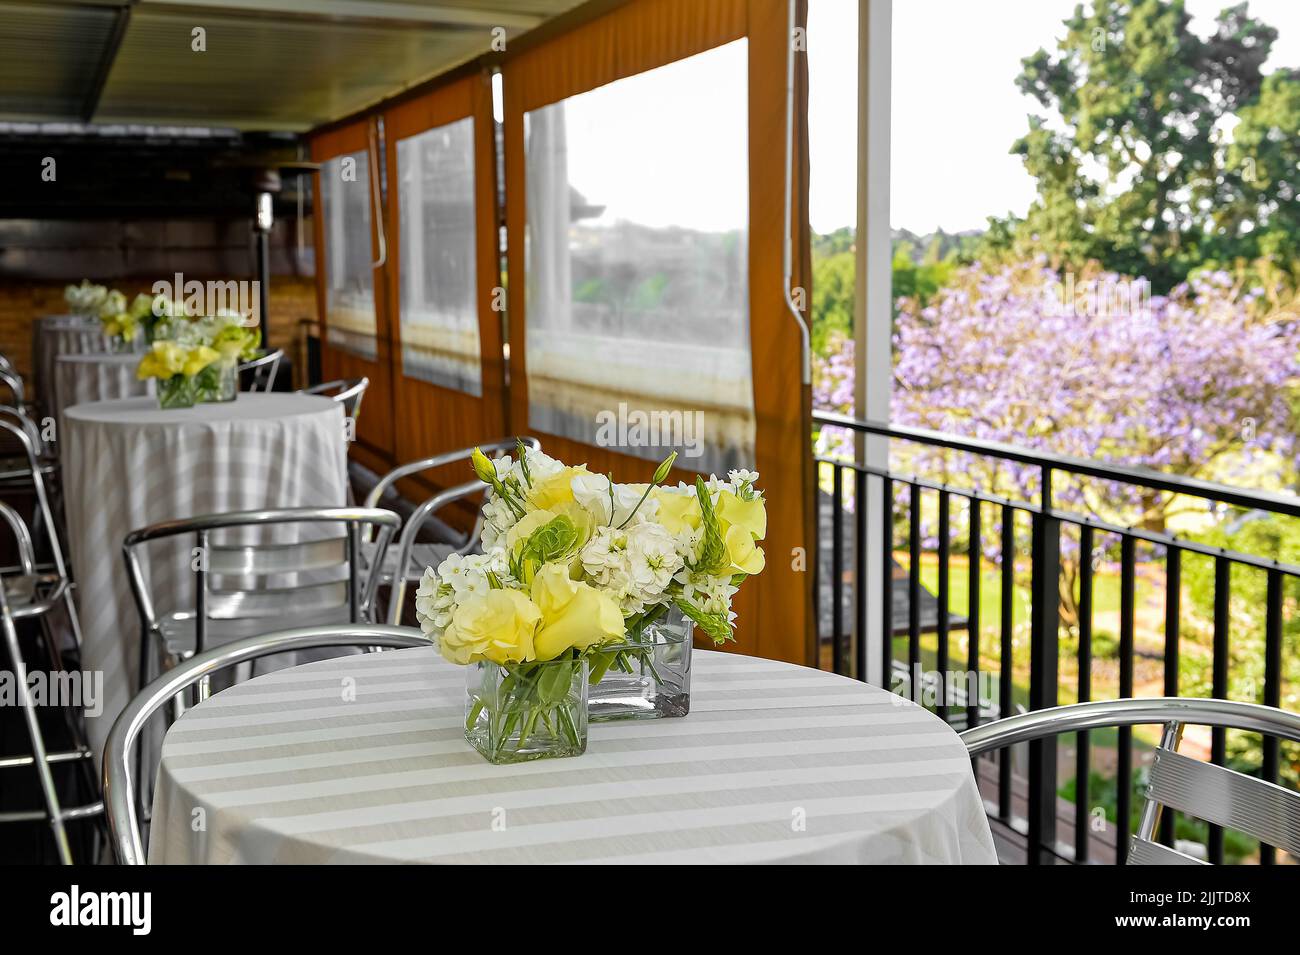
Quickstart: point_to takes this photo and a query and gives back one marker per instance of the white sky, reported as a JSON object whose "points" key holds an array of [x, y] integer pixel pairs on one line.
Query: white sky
{"points": [[669, 146], [955, 108]]}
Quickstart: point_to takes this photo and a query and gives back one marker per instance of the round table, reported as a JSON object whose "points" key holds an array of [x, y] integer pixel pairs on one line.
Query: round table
{"points": [[127, 464], [97, 376], [56, 335], [363, 759]]}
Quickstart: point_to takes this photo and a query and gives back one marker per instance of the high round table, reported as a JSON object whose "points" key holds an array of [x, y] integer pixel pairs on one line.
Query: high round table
{"points": [[127, 464], [55, 335], [95, 376], [775, 763]]}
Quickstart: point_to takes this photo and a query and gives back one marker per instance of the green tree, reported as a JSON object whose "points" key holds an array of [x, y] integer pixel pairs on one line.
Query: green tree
{"points": [[1264, 162], [1131, 164]]}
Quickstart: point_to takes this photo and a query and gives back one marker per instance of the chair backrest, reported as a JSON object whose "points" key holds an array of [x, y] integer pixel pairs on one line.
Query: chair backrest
{"points": [[19, 433], [1211, 793], [11, 387], [411, 529], [493, 449], [119, 795], [22, 541], [346, 391], [262, 371], [235, 580]]}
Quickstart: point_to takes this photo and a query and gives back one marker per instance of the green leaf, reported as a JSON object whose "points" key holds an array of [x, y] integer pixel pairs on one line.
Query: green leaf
{"points": [[717, 626], [713, 549], [553, 685]]}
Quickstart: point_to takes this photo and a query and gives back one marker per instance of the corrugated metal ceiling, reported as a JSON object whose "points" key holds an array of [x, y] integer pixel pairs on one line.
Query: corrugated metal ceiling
{"points": [[266, 64]]}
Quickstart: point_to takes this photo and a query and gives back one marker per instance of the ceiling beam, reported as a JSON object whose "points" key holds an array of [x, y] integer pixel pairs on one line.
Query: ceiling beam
{"points": [[115, 37], [374, 10]]}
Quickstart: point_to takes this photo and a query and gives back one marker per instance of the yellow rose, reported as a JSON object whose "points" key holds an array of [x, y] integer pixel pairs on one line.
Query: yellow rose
{"points": [[574, 614], [197, 359], [677, 512], [557, 489], [746, 557], [165, 359], [751, 514], [497, 626]]}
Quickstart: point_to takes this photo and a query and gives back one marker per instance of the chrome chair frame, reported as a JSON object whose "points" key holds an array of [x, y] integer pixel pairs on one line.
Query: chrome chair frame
{"points": [[38, 606], [128, 845], [349, 394], [9, 378], [242, 561], [35, 473], [411, 529], [263, 379], [1211, 793]]}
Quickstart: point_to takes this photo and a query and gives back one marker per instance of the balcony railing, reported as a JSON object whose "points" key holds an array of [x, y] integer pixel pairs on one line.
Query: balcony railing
{"points": [[858, 490]]}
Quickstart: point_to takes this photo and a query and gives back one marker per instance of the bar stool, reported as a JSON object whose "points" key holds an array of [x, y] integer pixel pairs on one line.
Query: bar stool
{"points": [[27, 595]]}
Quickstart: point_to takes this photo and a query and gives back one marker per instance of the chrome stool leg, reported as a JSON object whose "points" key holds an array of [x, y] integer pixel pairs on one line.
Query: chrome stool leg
{"points": [[39, 757]]}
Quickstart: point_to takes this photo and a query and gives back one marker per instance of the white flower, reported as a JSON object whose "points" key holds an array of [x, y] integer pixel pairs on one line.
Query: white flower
{"points": [[634, 565], [457, 578], [711, 594], [498, 518], [592, 492], [434, 602]]}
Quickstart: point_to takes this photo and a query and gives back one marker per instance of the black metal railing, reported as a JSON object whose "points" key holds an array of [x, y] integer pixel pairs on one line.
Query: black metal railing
{"points": [[849, 650]]}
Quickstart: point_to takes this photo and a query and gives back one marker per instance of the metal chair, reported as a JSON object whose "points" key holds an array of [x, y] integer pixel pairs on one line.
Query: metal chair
{"points": [[262, 371], [13, 383], [119, 796], [28, 472], [415, 557], [346, 391], [24, 596], [1211, 793], [243, 589]]}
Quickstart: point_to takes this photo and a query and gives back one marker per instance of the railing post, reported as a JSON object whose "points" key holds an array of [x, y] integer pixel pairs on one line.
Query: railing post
{"points": [[1044, 622]]}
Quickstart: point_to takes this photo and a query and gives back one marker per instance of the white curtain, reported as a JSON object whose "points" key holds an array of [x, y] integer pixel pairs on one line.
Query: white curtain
{"points": [[439, 304], [638, 264], [350, 291]]}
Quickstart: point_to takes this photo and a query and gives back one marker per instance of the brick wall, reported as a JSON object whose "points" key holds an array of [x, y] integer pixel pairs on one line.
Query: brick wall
{"points": [[293, 300]]}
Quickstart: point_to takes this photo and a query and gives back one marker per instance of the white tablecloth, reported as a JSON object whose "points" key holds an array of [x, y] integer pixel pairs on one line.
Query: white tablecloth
{"points": [[127, 464], [774, 763], [103, 376], [55, 335]]}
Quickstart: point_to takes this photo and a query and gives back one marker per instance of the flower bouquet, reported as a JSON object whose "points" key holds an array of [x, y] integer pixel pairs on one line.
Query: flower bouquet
{"points": [[85, 299], [607, 578], [227, 335], [175, 367], [121, 324]]}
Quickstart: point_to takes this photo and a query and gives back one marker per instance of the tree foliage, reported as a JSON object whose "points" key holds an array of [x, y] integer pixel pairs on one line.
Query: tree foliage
{"points": [[1158, 152]]}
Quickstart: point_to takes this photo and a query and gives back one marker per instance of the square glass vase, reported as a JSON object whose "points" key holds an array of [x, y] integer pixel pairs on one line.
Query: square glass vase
{"points": [[517, 712], [646, 676], [218, 382], [176, 392]]}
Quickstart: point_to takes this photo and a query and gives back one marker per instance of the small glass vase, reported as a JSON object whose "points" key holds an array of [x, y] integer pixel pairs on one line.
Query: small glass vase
{"points": [[647, 675], [218, 382], [522, 711], [176, 392]]}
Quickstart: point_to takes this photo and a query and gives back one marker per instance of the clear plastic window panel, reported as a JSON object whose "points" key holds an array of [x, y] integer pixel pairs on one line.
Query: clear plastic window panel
{"points": [[439, 301], [350, 289], [638, 263]]}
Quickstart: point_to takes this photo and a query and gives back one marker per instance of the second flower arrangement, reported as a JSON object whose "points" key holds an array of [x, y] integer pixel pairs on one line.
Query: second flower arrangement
{"points": [[577, 567]]}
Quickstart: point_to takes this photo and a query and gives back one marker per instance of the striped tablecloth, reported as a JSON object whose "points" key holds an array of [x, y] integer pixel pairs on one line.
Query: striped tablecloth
{"points": [[55, 335], [362, 759], [128, 464], [95, 376]]}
